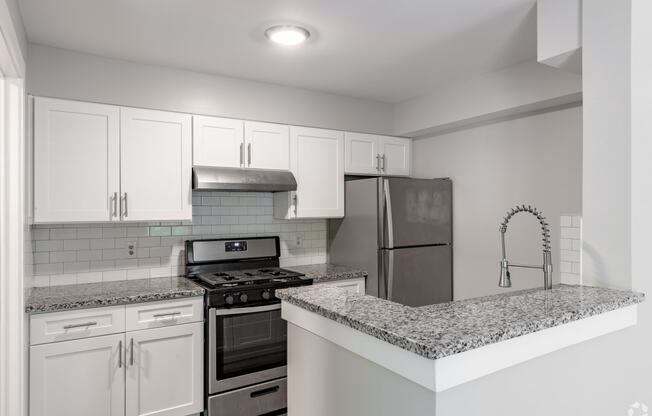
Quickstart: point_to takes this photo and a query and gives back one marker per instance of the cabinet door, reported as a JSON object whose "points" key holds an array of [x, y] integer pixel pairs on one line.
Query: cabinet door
{"points": [[398, 155], [217, 142], [317, 161], [361, 156], [268, 145], [156, 162], [76, 161], [165, 371], [78, 378]]}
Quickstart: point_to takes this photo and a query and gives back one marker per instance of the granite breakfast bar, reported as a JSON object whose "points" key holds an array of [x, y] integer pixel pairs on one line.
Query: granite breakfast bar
{"points": [[408, 358]]}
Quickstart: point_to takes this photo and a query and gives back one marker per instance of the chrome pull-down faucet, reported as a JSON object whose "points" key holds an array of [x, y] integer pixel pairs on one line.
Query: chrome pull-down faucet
{"points": [[505, 278]]}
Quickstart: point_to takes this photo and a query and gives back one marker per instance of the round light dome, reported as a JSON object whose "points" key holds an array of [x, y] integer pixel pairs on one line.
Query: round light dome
{"points": [[287, 35]]}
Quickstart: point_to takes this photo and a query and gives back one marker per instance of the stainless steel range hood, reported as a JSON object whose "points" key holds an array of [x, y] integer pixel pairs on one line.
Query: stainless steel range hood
{"points": [[236, 179]]}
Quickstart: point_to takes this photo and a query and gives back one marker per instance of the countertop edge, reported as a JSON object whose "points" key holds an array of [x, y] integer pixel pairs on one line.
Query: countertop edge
{"points": [[452, 348]]}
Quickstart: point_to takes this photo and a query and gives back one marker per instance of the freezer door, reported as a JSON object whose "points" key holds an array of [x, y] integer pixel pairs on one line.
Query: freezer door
{"points": [[417, 276], [416, 212]]}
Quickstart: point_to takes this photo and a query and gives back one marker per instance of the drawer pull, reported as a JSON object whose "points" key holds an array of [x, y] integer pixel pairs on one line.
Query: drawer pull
{"points": [[80, 325], [263, 392], [163, 315]]}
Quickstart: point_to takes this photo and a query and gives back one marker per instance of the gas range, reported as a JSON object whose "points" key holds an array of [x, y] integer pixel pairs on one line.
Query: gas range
{"points": [[247, 286], [246, 348]]}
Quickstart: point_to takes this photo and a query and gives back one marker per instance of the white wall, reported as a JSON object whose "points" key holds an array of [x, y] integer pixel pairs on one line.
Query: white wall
{"points": [[533, 160], [65, 74], [516, 90]]}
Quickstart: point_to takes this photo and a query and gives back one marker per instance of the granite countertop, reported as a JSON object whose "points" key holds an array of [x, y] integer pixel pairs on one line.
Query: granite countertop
{"points": [[444, 329], [91, 295], [327, 272]]}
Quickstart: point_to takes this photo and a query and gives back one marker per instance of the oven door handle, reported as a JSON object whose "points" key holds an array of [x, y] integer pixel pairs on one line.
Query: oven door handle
{"points": [[253, 309]]}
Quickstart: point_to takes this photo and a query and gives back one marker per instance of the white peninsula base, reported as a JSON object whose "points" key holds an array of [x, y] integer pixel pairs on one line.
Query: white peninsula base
{"points": [[336, 370]]}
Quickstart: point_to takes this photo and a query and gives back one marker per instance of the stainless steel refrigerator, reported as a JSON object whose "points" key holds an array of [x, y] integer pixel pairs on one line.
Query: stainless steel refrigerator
{"points": [[400, 231]]}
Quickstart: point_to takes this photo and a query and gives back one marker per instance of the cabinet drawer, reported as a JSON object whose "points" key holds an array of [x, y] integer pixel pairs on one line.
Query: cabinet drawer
{"points": [[83, 323], [353, 285], [165, 313]]}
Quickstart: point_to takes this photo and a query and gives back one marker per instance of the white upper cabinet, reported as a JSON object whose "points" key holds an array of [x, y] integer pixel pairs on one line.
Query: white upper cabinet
{"points": [[228, 143], [396, 155], [76, 161], [217, 142], [370, 154], [99, 163], [317, 162], [268, 145], [165, 371], [361, 155], [155, 165]]}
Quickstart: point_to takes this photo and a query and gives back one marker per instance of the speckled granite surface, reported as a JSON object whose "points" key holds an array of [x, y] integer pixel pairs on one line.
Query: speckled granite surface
{"points": [[91, 295], [441, 330], [327, 272]]}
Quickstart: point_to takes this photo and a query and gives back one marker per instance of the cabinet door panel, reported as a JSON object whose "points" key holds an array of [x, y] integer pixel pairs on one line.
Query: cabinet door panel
{"points": [[155, 148], [318, 163], [217, 142], [78, 378], [361, 154], [166, 377], [76, 160], [268, 145], [398, 156]]}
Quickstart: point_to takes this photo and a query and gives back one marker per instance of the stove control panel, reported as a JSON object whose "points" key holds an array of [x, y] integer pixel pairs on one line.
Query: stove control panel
{"points": [[230, 246]]}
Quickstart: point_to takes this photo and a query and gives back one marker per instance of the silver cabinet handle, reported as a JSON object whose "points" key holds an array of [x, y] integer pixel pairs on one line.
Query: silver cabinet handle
{"points": [[241, 154], [125, 212], [295, 199], [249, 154], [80, 325], [120, 354], [382, 158], [131, 357], [115, 205], [162, 315], [377, 161]]}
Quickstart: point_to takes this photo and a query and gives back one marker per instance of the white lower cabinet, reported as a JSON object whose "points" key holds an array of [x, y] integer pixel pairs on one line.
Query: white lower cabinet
{"points": [[78, 378], [353, 285], [154, 372], [164, 371]]}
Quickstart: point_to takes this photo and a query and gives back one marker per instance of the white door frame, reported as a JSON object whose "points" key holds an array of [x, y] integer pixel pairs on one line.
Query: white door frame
{"points": [[13, 225]]}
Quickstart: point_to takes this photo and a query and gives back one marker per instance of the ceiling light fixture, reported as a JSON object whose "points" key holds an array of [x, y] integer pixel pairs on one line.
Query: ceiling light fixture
{"points": [[287, 35]]}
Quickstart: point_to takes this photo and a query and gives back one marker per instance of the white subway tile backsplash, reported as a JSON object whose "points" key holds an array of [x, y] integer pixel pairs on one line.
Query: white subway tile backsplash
{"points": [[570, 253], [69, 245], [88, 253], [114, 232], [91, 277], [114, 275], [63, 233], [89, 233], [48, 245], [103, 243]]}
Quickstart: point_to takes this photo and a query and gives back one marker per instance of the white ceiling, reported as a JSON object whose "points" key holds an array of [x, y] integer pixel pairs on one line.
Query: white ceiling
{"points": [[387, 50]]}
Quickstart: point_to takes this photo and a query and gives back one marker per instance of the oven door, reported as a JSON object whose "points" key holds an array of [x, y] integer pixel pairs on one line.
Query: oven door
{"points": [[246, 345]]}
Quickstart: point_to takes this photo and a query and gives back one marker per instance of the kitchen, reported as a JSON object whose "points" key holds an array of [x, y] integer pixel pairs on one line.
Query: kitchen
{"points": [[164, 195]]}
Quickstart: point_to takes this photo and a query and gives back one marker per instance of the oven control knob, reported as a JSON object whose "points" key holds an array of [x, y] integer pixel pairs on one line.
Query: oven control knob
{"points": [[266, 294], [244, 297], [229, 299]]}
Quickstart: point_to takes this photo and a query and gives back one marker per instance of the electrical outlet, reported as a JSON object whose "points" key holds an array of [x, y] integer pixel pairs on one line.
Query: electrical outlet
{"points": [[131, 247], [298, 241]]}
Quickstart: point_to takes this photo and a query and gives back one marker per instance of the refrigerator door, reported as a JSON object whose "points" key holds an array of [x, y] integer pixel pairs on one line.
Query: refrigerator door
{"points": [[416, 212], [417, 276]]}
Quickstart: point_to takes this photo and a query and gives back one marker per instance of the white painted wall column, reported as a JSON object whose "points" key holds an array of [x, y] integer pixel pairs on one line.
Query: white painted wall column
{"points": [[12, 229]]}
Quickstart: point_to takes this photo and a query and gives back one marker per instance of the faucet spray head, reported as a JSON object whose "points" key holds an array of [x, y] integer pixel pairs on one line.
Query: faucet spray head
{"points": [[505, 278]]}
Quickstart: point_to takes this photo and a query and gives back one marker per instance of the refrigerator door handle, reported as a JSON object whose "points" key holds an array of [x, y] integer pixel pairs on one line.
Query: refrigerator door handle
{"points": [[390, 274], [388, 210]]}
